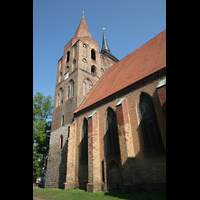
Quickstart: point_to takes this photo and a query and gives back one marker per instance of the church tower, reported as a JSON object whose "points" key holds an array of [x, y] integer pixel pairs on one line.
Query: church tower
{"points": [[79, 68]]}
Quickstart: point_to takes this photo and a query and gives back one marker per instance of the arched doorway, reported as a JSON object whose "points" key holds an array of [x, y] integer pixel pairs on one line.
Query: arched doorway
{"points": [[114, 177]]}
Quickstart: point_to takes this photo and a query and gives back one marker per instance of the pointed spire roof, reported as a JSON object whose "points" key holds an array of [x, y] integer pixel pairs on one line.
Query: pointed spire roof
{"points": [[105, 50], [104, 44], [82, 30]]}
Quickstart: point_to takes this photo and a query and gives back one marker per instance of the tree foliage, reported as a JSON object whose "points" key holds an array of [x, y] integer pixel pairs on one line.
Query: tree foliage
{"points": [[42, 114]]}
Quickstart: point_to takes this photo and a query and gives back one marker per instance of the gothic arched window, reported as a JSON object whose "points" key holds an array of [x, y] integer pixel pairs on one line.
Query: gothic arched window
{"points": [[62, 122], [60, 97], [66, 72], [60, 77], [68, 54], [84, 146], [84, 64], [74, 65], [87, 86], [61, 142], [149, 124], [112, 133], [93, 70], [93, 56], [70, 89]]}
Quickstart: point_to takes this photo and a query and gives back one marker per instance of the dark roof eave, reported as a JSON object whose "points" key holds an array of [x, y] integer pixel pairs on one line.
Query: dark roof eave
{"points": [[110, 55]]}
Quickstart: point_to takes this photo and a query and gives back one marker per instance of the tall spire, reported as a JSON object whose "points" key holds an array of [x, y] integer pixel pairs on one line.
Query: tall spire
{"points": [[82, 30], [104, 43], [105, 50]]}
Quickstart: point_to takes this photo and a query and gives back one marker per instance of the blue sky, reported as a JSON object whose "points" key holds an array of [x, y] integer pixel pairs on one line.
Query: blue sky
{"points": [[129, 24]]}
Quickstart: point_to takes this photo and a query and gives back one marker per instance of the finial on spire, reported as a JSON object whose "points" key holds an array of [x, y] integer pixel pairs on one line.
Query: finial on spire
{"points": [[83, 11], [104, 43], [105, 50], [82, 30]]}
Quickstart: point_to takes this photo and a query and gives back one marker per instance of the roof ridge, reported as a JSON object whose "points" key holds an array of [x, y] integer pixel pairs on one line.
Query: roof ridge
{"points": [[142, 62]]}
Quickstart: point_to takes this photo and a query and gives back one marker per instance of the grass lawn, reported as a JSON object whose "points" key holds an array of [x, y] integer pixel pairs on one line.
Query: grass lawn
{"points": [[60, 194]]}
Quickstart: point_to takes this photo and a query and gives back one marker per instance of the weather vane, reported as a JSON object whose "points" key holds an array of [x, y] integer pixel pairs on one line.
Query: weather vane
{"points": [[104, 29], [83, 11]]}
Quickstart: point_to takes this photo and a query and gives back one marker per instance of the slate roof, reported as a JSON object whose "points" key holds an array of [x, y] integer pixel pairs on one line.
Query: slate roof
{"points": [[143, 62], [106, 51]]}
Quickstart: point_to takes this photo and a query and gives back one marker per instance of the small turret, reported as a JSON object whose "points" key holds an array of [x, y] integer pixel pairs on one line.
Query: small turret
{"points": [[105, 50]]}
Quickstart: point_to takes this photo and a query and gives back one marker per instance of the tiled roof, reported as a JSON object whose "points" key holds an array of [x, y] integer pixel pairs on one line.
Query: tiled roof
{"points": [[82, 30], [144, 61]]}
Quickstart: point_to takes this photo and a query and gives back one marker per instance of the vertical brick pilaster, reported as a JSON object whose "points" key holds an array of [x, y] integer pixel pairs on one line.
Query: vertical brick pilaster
{"points": [[126, 143], [162, 98], [94, 164], [71, 159], [124, 131]]}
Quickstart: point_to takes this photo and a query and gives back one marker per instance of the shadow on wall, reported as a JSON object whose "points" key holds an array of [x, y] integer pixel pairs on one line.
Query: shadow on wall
{"points": [[111, 170], [146, 172], [114, 177], [83, 157], [82, 168], [63, 166]]}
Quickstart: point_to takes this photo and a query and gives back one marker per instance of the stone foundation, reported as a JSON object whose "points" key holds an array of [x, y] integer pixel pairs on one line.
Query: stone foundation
{"points": [[94, 187], [71, 185]]}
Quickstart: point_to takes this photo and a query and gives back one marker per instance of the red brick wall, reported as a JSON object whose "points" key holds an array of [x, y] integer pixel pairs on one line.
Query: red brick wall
{"points": [[94, 164], [162, 98], [137, 166]]}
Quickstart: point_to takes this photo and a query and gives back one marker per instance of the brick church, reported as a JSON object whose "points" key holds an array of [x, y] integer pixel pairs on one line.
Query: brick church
{"points": [[109, 117]]}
